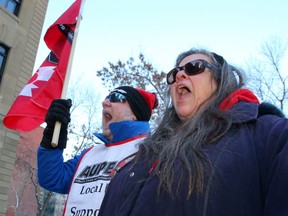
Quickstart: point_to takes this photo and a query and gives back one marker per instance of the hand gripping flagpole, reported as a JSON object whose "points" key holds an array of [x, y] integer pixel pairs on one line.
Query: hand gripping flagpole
{"points": [[57, 127]]}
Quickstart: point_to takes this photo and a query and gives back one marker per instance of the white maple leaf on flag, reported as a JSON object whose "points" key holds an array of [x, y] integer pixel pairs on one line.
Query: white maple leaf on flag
{"points": [[43, 74]]}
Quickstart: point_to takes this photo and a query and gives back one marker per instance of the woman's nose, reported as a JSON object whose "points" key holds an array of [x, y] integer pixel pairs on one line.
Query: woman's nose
{"points": [[181, 75]]}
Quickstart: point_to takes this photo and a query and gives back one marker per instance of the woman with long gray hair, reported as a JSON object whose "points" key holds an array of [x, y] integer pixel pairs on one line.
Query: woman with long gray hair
{"points": [[217, 150]]}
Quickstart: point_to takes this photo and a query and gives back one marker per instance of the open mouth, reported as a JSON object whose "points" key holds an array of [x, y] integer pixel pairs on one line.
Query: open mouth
{"points": [[182, 90], [107, 116]]}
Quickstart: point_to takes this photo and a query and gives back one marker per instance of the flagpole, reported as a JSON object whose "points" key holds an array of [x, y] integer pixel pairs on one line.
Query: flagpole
{"points": [[57, 127]]}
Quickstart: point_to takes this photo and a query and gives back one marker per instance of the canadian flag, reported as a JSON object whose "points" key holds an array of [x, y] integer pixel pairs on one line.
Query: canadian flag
{"points": [[29, 109]]}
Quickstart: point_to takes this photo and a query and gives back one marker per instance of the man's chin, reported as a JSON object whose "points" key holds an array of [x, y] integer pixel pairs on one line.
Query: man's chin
{"points": [[107, 133]]}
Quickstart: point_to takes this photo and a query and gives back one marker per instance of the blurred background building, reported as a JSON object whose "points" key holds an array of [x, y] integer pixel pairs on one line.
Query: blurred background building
{"points": [[21, 24]]}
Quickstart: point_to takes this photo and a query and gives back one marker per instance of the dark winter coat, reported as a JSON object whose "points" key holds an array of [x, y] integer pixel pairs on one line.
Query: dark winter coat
{"points": [[249, 178]]}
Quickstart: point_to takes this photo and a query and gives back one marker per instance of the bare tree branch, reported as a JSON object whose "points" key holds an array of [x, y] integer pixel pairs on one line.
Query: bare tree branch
{"points": [[268, 80]]}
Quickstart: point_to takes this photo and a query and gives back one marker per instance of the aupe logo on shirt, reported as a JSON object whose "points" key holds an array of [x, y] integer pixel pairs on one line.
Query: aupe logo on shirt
{"points": [[95, 172]]}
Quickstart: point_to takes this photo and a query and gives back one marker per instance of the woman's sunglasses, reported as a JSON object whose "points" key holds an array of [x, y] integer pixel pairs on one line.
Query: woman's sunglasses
{"points": [[116, 97], [191, 68]]}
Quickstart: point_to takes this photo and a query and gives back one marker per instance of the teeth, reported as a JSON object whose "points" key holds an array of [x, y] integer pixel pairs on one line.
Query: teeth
{"points": [[182, 90], [107, 116]]}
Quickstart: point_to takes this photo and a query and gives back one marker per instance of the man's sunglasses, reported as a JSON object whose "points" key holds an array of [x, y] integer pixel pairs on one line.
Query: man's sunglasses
{"points": [[115, 97], [191, 68]]}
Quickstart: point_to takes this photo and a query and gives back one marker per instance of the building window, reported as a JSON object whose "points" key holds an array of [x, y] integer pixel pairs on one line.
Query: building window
{"points": [[11, 5], [3, 57]]}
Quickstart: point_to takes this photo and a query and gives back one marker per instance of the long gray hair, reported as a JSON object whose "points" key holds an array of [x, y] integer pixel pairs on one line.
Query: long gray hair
{"points": [[183, 141]]}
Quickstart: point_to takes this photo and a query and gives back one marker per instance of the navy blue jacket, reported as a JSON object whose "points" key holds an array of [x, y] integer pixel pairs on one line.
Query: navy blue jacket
{"points": [[250, 175]]}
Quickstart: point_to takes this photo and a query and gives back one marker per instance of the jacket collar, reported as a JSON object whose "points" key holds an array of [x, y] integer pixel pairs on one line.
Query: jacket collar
{"points": [[236, 96], [243, 112], [125, 130], [242, 105]]}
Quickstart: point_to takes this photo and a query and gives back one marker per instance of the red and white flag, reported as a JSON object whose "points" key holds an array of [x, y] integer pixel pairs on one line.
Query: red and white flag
{"points": [[29, 109]]}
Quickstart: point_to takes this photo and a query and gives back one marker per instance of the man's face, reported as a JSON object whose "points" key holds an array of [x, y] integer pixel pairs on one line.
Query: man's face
{"points": [[115, 112]]}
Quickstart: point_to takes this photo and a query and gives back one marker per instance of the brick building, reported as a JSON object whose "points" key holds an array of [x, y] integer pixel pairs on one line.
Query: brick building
{"points": [[25, 195], [21, 197]]}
